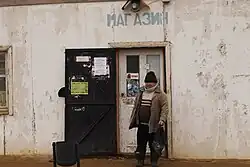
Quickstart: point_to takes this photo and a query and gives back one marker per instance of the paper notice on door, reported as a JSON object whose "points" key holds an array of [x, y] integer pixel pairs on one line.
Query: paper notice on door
{"points": [[100, 61], [100, 66], [82, 58], [79, 88]]}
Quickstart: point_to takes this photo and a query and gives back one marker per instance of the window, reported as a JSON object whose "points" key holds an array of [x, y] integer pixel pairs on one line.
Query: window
{"points": [[154, 65], [133, 64], [133, 68], [4, 81]]}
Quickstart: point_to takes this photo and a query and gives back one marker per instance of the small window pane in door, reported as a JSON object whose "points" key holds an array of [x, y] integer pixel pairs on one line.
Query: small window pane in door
{"points": [[133, 64], [154, 65], [132, 80]]}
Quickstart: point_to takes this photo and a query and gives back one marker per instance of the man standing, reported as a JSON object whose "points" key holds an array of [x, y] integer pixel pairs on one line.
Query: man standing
{"points": [[149, 113]]}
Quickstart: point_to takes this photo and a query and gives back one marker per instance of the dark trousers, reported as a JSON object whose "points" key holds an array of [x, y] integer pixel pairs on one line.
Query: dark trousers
{"points": [[143, 137]]}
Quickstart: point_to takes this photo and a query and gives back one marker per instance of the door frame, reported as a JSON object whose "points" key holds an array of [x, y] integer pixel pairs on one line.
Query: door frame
{"points": [[167, 88]]}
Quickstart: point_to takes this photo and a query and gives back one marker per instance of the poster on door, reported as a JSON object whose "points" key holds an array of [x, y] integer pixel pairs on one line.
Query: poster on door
{"points": [[100, 69], [132, 84], [79, 85]]}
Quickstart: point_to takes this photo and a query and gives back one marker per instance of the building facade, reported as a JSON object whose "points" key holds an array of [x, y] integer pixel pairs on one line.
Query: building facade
{"points": [[205, 63]]}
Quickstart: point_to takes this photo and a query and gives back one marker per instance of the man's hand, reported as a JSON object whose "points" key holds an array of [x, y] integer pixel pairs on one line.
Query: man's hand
{"points": [[161, 123]]}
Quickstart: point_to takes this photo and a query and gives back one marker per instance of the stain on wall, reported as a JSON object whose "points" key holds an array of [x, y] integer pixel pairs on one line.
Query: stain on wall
{"points": [[222, 48]]}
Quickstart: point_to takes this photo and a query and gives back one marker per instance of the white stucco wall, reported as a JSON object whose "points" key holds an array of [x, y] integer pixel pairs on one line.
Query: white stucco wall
{"points": [[211, 81], [210, 64]]}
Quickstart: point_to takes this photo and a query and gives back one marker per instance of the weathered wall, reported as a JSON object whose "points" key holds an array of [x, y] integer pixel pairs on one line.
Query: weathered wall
{"points": [[39, 36], [211, 81], [210, 64]]}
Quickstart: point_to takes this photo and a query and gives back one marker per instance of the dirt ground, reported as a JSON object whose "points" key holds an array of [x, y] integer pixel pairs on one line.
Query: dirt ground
{"points": [[11, 161]]}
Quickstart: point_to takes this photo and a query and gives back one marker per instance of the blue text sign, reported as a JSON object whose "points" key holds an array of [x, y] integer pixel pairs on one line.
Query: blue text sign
{"points": [[138, 19]]}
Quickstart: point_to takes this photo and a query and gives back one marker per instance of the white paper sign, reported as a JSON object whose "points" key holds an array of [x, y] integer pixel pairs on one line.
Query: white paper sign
{"points": [[100, 66], [100, 61], [82, 58], [146, 66]]}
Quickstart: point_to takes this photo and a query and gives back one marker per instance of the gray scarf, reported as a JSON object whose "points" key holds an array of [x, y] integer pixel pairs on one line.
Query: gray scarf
{"points": [[152, 89]]}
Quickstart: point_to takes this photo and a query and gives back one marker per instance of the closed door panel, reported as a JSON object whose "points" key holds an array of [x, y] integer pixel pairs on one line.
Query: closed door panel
{"points": [[93, 127], [90, 112]]}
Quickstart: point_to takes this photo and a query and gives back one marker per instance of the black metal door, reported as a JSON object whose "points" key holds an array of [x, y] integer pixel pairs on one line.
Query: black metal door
{"points": [[90, 110]]}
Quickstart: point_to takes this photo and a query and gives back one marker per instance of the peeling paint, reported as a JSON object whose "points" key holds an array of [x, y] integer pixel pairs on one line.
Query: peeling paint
{"points": [[222, 48], [241, 75], [219, 87], [204, 79]]}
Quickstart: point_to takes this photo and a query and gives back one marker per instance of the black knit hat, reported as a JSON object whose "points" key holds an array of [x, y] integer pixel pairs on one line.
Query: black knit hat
{"points": [[150, 77]]}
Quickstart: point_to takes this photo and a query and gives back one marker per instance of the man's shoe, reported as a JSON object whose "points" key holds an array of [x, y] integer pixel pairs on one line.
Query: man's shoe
{"points": [[154, 164], [140, 163]]}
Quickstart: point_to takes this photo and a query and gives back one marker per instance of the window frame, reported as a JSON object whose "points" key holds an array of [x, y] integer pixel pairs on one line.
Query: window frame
{"points": [[8, 109]]}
